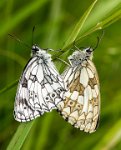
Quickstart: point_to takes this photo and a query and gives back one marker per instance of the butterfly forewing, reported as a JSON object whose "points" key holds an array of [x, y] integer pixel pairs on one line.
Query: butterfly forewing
{"points": [[39, 88], [81, 105]]}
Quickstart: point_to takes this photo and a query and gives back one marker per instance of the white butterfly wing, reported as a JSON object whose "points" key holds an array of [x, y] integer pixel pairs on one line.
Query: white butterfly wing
{"points": [[38, 90], [81, 105]]}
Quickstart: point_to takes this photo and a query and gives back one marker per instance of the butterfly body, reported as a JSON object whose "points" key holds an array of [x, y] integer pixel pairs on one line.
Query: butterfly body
{"points": [[39, 87], [81, 105]]}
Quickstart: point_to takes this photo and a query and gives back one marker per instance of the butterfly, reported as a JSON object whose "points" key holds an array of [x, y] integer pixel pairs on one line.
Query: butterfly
{"points": [[81, 102], [39, 87]]}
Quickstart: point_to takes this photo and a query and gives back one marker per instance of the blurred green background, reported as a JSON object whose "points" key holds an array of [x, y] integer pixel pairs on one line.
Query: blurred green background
{"points": [[55, 20]]}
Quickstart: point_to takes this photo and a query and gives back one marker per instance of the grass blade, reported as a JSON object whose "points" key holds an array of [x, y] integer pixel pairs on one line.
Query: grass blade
{"points": [[95, 22], [102, 11], [43, 135], [20, 136], [79, 25], [103, 24]]}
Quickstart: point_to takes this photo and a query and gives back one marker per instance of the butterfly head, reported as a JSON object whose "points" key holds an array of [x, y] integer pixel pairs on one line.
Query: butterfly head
{"points": [[79, 57], [35, 50], [42, 54]]}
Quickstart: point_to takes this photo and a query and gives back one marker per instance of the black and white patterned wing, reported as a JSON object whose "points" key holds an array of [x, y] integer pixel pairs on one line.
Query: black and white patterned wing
{"points": [[38, 91], [26, 105], [52, 85]]}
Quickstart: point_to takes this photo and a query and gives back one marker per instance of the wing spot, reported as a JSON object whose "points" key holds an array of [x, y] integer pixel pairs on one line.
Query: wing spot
{"points": [[35, 95], [24, 82], [59, 90], [53, 95], [47, 98], [79, 106], [71, 103], [92, 82]]}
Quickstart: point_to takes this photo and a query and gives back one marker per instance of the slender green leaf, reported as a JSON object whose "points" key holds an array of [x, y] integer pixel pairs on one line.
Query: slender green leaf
{"points": [[102, 11], [30, 140], [43, 135], [93, 22], [20, 136], [103, 24], [76, 30], [79, 25]]}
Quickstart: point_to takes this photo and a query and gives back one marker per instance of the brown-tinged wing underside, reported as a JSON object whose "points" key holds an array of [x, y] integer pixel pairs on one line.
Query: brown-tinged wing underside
{"points": [[81, 105]]}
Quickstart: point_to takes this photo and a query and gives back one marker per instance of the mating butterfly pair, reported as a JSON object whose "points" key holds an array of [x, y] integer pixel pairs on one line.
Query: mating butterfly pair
{"points": [[75, 94]]}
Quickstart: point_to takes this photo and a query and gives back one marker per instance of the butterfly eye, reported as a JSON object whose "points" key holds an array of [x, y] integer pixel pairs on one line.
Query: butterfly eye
{"points": [[89, 50], [35, 48], [71, 59]]}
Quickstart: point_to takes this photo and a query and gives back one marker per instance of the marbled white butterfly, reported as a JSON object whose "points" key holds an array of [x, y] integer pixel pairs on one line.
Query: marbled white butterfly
{"points": [[39, 87], [81, 104]]}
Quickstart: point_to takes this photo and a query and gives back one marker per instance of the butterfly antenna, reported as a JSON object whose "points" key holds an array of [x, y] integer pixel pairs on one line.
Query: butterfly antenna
{"points": [[99, 40], [33, 30], [63, 61], [19, 40], [75, 46], [48, 49], [78, 48], [58, 50]]}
